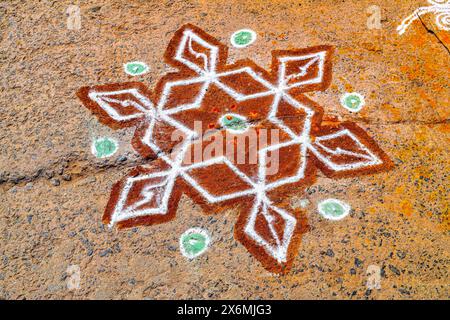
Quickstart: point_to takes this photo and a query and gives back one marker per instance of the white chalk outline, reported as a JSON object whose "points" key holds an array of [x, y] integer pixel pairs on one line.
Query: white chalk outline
{"points": [[319, 57], [441, 8], [104, 98], [207, 75]]}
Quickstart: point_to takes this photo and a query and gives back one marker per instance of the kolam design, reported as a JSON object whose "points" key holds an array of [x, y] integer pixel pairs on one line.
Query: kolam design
{"points": [[225, 98]]}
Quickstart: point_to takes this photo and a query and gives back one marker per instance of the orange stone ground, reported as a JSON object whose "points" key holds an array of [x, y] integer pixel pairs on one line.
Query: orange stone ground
{"points": [[54, 191]]}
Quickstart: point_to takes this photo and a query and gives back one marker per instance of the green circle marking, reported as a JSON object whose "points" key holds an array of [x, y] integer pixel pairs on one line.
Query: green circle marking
{"points": [[104, 147], [333, 209], [136, 68], [243, 38], [194, 242], [352, 101], [234, 122]]}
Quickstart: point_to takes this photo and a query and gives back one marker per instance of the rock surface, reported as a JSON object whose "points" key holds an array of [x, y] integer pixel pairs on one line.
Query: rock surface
{"points": [[53, 190]]}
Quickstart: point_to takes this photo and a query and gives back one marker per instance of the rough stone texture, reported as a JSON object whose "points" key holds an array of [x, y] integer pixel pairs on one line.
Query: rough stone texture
{"points": [[53, 190]]}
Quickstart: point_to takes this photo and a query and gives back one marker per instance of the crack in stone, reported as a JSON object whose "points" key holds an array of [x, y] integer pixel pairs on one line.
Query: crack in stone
{"points": [[49, 171], [17, 178], [433, 33], [401, 122]]}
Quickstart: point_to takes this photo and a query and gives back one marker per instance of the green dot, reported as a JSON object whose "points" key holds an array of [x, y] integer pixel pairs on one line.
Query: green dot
{"points": [[333, 209], [194, 242], [104, 147], [243, 38], [234, 123], [136, 68], [352, 101]]}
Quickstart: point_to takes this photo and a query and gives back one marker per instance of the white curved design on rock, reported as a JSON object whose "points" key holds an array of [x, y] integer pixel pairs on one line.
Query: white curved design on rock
{"points": [[440, 8]]}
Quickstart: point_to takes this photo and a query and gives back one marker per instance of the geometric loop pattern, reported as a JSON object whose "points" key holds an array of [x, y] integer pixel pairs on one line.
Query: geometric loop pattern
{"points": [[206, 89]]}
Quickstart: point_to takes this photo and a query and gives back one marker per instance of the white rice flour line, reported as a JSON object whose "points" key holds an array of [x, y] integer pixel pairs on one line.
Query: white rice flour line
{"points": [[441, 8], [208, 76]]}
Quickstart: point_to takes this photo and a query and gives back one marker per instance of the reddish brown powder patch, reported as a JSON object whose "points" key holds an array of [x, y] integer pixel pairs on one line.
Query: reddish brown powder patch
{"points": [[218, 179]]}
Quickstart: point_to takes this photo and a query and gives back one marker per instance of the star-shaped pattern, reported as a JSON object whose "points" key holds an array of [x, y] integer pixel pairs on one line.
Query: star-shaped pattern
{"points": [[209, 98]]}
